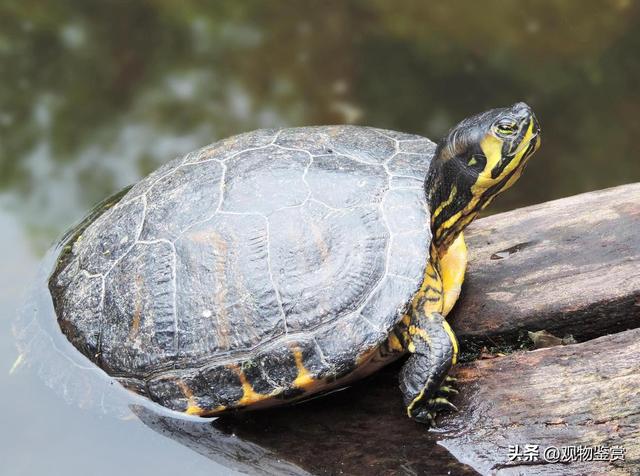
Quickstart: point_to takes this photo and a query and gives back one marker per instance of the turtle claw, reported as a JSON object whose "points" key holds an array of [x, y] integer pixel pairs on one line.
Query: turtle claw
{"points": [[441, 402], [427, 409], [446, 389], [432, 407], [448, 378]]}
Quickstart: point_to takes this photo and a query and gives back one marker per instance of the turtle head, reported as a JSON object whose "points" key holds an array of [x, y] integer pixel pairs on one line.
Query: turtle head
{"points": [[479, 158]]}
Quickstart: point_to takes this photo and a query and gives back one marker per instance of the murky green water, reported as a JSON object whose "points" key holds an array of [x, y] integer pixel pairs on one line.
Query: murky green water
{"points": [[96, 94]]}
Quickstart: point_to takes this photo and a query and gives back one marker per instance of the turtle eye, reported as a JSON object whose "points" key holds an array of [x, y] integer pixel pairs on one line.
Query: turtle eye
{"points": [[506, 127]]}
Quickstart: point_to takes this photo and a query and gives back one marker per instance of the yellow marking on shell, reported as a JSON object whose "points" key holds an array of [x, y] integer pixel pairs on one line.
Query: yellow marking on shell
{"points": [[249, 395], [213, 412], [411, 347], [192, 406], [304, 378], [193, 410], [454, 341], [394, 342], [452, 268], [406, 319]]}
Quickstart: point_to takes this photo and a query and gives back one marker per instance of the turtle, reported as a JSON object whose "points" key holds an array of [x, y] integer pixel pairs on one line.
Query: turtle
{"points": [[278, 264]]}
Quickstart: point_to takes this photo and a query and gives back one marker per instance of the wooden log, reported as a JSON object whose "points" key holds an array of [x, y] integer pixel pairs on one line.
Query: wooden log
{"points": [[569, 267], [583, 394]]}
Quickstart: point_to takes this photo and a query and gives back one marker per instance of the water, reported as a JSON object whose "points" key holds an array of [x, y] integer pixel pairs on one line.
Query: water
{"points": [[96, 95]]}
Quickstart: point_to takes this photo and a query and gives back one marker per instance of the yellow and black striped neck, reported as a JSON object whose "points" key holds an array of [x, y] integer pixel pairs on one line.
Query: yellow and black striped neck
{"points": [[481, 157]]}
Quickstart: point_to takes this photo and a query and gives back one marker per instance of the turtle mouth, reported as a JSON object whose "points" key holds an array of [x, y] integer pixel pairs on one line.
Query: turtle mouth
{"points": [[530, 146]]}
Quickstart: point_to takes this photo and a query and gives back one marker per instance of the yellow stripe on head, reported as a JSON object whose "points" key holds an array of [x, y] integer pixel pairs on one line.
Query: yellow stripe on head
{"points": [[492, 148]]}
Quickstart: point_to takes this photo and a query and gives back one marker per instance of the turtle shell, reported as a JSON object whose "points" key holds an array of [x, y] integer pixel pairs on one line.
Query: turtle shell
{"points": [[258, 260]]}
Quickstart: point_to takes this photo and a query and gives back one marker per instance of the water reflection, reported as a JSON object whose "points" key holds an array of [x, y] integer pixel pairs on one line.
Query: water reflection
{"points": [[96, 96], [220, 444]]}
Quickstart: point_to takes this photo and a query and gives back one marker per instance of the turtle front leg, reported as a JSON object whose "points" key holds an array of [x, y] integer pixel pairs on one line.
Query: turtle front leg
{"points": [[434, 349], [427, 336]]}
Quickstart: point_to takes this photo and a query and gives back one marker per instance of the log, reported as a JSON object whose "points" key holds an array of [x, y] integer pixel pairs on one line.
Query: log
{"points": [[584, 394], [568, 267]]}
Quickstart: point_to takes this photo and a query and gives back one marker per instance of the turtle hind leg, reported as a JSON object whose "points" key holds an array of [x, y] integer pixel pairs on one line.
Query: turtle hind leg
{"points": [[433, 349]]}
